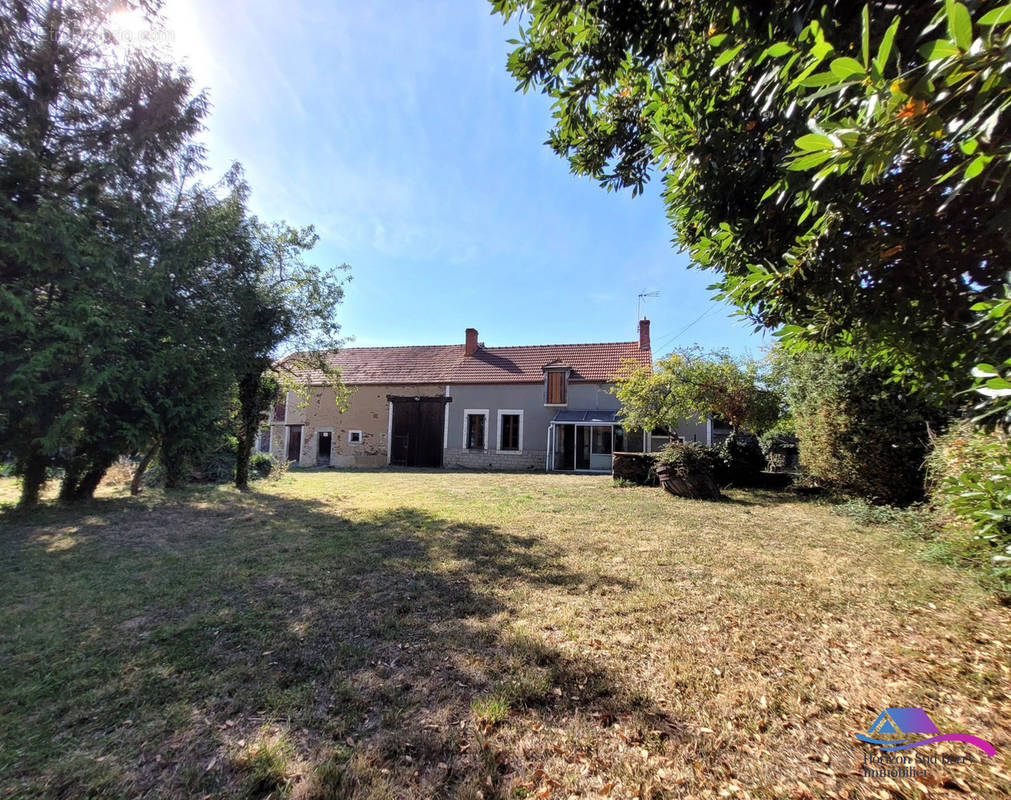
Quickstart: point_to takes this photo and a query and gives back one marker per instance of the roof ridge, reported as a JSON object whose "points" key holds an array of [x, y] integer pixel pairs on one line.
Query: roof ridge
{"points": [[483, 347]]}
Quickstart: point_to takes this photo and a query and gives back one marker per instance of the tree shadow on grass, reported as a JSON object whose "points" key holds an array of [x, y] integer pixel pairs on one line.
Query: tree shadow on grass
{"points": [[253, 645]]}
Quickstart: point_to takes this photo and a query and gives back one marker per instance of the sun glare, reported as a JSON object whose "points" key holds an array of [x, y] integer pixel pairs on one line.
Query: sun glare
{"points": [[174, 33]]}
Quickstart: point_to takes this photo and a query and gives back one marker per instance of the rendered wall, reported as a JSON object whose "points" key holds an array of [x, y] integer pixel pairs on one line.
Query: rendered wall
{"points": [[368, 412]]}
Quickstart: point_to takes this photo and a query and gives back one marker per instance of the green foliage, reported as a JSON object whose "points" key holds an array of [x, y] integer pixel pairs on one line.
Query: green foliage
{"points": [[262, 464], [691, 383], [91, 145], [741, 460], [970, 481], [691, 459], [217, 467], [842, 168], [780, 448], [993, 380], [136, 307], [282, 301], [858, 432], [905, 517]]}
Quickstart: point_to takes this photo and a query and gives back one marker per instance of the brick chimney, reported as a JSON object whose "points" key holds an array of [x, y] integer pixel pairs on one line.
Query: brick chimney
{"points": [[471, 346], [644, 334]]}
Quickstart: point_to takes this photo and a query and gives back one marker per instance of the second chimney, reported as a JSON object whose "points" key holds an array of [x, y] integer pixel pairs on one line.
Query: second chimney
{"points": [[471, 346], [644, 334]]}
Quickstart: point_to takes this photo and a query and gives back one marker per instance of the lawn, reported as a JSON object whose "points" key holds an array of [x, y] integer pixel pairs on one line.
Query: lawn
{"points": [[414, 634]]}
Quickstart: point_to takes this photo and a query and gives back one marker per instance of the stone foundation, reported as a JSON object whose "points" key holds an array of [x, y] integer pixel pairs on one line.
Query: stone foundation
{"points": [[456, 458]]}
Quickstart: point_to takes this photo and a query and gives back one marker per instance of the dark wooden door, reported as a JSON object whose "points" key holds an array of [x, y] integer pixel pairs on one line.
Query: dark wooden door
{"points": [[568, 450], [582, 447], [418, 426], [294, 442], [323, 446]]}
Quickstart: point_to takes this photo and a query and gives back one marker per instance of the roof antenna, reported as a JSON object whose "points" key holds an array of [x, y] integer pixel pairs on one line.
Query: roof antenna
{"points": [[642, 297]]}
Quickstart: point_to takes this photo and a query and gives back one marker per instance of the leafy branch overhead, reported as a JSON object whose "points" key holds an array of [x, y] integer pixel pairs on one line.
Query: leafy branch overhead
{"points": [[843, 169]]}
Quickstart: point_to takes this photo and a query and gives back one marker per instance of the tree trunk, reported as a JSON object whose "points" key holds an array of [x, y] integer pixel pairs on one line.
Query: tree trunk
{"points": [[93, 477], [138, 474], [243, 452], [174, 465], [250, 401], [33, 478], [68, 486]]}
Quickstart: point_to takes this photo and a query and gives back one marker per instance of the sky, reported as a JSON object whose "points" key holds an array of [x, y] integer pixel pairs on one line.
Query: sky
{"points": [[395, 129]]}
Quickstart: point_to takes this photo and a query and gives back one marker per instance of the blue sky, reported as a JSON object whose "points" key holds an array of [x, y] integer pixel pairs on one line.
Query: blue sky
{"points": [[395, 129]]}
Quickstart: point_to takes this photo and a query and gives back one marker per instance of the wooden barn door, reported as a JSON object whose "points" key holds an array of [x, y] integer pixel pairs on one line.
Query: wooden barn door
{"points": [[294, 442], [417, 434]]}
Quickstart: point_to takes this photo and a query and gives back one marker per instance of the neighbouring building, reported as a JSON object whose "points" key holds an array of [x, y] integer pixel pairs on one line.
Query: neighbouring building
{"points": [[547, 407]]}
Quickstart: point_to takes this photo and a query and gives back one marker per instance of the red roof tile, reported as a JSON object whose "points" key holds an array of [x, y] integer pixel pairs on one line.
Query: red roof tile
{"points": [[448, 364]]}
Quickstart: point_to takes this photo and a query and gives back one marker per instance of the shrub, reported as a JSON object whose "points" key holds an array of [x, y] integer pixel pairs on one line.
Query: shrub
{"points": [[781, 450], [969, 475], [859, 433], [217, 467], [741, 459], [262, 464], [690, 459]]}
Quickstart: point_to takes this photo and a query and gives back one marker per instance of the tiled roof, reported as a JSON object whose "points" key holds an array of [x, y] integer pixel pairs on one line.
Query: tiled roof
{"points": [[448, 364]]}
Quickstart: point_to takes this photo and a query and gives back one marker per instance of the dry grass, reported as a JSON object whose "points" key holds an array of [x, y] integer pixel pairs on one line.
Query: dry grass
{"points": [[435, 634]]}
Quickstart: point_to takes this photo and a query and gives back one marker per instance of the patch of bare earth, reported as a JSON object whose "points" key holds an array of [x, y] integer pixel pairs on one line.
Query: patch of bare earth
{"points": [[434, 634]]}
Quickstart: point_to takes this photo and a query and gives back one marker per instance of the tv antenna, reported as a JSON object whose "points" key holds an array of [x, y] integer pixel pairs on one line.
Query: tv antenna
{"points": [[643, 295]]}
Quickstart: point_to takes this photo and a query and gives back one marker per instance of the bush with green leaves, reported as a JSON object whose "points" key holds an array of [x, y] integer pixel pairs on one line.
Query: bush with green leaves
{"points": [[741, 459], [690, 459], [970, 484], [993, 380], [216, 467], [859, 432], [263, 464]]}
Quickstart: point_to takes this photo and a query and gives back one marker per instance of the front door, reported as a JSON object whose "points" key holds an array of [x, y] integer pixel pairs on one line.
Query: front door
{"points": [[566, 450], [582, 447], [323, 442], [418, 424], [294, 442]]}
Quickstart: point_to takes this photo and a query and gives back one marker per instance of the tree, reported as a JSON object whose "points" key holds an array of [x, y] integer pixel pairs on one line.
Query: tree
{"points": [[136, 306], [88, 140], [844, 172], [693, 383], [858, 432], [277, 300]]}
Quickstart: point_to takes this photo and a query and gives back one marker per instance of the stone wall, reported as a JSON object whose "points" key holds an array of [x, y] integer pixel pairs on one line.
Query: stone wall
{"points": [[367, 411], [457, 457]]}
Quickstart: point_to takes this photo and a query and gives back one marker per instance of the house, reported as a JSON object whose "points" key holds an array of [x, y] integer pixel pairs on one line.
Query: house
{"points": [[468, 406]]}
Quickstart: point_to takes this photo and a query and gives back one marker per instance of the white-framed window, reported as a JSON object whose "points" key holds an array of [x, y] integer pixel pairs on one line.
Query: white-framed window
{"points": [[263, 440], [510, 430], [354, 437], [475, 429]]}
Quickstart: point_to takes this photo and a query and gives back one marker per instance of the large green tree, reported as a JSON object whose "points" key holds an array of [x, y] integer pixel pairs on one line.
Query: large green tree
{"points": [[90, 137], [140, 310], [279, 300], [842, 167]]}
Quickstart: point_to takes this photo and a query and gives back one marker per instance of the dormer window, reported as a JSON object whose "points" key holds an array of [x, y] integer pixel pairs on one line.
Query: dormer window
{"points": [[555, 387]]}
